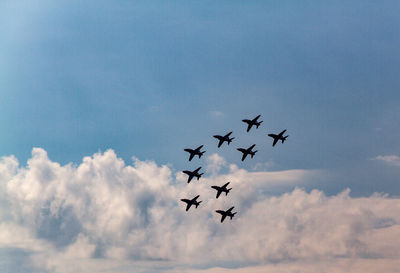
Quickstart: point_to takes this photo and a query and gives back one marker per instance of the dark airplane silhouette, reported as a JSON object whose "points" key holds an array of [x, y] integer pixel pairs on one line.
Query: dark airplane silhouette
{"points": [[221, 189], [278, 137], [195, 152], [195, 173], [252, 122], [226, 213], [189, 203], [247, 151], [224, 138]]}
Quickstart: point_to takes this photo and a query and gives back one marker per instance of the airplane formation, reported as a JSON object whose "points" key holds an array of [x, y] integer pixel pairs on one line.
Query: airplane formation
{"points": [[245, 152]]}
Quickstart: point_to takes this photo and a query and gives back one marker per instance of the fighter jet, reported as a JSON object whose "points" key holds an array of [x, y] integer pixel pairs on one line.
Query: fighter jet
{"points": [[189, 203], [247, 151], [195, 152], [226, 213], [195, 173], [278, 137], [224, 138], [221, 189], [252, 122]]}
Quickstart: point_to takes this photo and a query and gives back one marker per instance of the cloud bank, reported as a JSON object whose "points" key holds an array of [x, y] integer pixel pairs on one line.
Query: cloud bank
{"points": [[105, 215]]}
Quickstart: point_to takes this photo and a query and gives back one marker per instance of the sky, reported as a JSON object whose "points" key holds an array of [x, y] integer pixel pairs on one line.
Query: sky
{"points": [[98, 99]]}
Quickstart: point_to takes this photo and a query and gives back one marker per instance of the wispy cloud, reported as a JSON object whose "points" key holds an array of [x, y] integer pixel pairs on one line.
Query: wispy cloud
{"points": [[392, 160], [263, 166], [216, 113], [104, 214]]}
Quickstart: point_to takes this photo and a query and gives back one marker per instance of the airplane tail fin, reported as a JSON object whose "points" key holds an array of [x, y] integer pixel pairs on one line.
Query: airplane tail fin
{"points": [[258, 124], [230, 140], [284, 138], [198, 203], [233, 214], [253, 154], [199, 176], [201, 154], [226, 193]]}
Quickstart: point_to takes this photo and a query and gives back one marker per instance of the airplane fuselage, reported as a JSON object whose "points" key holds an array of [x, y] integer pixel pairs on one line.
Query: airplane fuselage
{"points": [[194, 152]]}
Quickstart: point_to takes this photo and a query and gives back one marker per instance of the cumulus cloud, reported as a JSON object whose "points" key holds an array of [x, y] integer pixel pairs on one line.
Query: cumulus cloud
{"points": [[392, 160], [214, 163], [105, 215]]}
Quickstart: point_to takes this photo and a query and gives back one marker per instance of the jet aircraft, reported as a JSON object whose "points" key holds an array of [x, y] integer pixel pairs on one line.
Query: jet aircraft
{"points": [[252, 122], [195, 173], [226, 213], [247, 151], [191, 202], [195, 152], [221, 189], [224, 138], [278, 137]]}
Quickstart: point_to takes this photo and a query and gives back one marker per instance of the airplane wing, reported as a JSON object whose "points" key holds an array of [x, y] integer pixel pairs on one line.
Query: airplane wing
{"points": [[223, 214], [190, 178], [198, 169], [252, 146], [188, 203], [243, 151], [255, 119], [195, 198], [229, 210], [281, 133], [223, 217], [224, 186], [275, 141], [218, 193], [228, 134], [199, 148], [191, 156], [249, 127], [221, 140]]}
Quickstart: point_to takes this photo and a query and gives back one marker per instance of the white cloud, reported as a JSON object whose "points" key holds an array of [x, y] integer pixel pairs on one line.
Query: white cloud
{"points": [[214, 163], [263, 166], [337, 265], [216, 114], [105, 215], [392, 160]]}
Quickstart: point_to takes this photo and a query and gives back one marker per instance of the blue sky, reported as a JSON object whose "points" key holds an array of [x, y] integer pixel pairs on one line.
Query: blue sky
{"points": [[150, 78], [145, 78]]}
